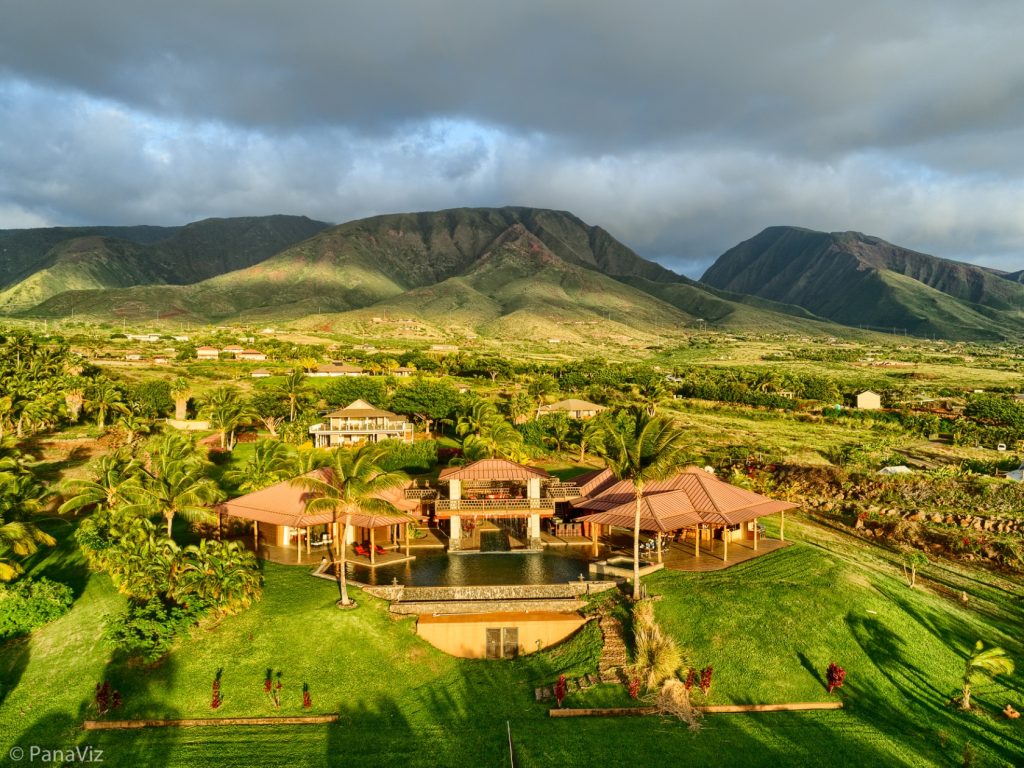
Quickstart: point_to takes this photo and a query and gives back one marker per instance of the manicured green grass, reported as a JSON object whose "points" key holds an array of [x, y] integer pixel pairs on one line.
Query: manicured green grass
{"points": [[769, 627]]}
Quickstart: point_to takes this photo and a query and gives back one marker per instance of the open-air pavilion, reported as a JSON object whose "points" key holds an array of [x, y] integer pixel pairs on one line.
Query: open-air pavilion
{"points": [[283, 532], [692, 502]]}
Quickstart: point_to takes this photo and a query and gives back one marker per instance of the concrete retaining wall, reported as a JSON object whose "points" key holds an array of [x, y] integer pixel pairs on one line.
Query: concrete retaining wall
{"points": [[440, 607], [403, 594]]}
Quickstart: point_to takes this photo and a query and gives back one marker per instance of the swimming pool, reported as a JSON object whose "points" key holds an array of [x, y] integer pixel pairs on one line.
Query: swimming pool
{"points": [[474, 569]]}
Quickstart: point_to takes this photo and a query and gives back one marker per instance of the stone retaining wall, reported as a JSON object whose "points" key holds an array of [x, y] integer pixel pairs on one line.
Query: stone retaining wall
{"points": [[504, 592], [441, 607]]}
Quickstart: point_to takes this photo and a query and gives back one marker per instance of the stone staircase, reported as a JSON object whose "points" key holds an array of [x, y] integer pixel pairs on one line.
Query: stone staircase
{"points": [[609, 667], [613, 652]]}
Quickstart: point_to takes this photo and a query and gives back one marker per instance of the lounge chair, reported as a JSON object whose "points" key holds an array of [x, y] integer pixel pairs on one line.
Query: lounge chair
{"points": [[379, 549], [361, 550]]}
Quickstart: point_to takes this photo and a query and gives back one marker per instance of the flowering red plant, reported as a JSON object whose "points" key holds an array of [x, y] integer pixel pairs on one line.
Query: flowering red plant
{"points": [[835, 676], [215, 697], [268, 680], [307, 700]]}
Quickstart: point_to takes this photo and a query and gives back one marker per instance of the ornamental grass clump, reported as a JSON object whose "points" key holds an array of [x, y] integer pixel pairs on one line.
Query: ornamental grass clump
{"points": [[657, 655], [674, 700]]}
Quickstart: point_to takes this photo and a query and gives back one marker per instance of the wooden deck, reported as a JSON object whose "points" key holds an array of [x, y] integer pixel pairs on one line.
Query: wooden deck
{"points": [[680, 556]]}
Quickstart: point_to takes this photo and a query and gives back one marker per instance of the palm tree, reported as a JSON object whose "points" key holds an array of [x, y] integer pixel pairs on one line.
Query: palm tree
{"points": [[292, 389], [21, 497], [181, 391], [352, 483], [105, 396], [591, 434], [983, 664], [268, 465], [222, 574], [486, 435], [133, 426], [115, 479], [642, 448], [176, 483], [226, 412]]}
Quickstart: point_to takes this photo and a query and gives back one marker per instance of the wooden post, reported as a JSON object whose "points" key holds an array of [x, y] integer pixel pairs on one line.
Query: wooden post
{"points": [[696, 542], [755, 534], [256, 537], [595, 530], [373, 555], [309, 544], [657, 541], [407, 526], [298, 545], [725, 543], [782, 525]]}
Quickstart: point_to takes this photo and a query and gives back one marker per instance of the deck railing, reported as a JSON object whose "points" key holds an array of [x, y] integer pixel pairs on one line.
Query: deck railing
{"points": [[421, 493], [495, 505], [562, 490]]}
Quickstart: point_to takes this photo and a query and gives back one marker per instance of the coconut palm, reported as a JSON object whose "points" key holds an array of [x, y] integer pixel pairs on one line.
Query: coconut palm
{"points": [[22, 496], [269, 464], [221, 574], [486, 435], [642, 448], [352, 483], [591, 434], [292, 389], [104, 396], [181, 391], [176, 483], [982, 665], [226, 412], [115, 479]]}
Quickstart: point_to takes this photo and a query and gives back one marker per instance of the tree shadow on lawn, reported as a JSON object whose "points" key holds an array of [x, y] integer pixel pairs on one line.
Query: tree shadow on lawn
{"points": [[14, 658], [915, 708], [64, 562]]}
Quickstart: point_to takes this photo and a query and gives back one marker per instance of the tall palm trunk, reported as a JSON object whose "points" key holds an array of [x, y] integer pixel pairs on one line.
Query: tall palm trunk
{"points": [[636, 542], [169, 515], [342, 576]]}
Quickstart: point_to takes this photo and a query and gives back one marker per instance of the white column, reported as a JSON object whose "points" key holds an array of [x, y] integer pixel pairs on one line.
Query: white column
{"points": [[455, 536], [454, 490], [533, 493], [533, 531]]}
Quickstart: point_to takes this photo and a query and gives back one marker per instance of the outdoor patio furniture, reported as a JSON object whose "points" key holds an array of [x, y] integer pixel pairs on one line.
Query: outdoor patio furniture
{"points": [[379, 549], [361, 550]]}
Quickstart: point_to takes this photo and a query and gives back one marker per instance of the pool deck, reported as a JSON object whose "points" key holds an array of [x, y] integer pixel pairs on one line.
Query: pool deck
{"points": [[680, 556]]}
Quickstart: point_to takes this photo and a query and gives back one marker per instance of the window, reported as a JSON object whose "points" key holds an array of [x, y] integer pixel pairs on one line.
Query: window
{"points": [[502, 642]]}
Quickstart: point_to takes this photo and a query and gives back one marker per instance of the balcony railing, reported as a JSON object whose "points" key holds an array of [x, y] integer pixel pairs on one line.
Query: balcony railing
{"points": [[421, 493], [562, 490], [493, 505], [398, 427]]}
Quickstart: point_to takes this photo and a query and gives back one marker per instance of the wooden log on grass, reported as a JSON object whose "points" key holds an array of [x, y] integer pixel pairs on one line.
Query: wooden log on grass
{"points": [[200, 722], [708, 709]]}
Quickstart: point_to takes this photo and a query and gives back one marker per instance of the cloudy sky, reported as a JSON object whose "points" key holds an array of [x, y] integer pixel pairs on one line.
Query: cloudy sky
{"points": [[681, 126]]}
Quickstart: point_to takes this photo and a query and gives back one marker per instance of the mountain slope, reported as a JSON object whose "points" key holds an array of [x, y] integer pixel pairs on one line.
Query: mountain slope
{"points": [[858, 280], [156, 256]]}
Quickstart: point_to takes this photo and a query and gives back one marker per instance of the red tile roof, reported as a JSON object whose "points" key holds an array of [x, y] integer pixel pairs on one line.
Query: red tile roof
{"points": [[284, 503], [492, 469], [691, 496]]}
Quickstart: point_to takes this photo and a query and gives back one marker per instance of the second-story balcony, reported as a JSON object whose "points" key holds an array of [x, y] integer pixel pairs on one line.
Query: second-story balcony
{"points": [[481, 506]]}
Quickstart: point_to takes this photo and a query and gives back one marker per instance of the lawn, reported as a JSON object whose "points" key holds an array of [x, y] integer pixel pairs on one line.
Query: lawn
{"points": [[769, 627]]}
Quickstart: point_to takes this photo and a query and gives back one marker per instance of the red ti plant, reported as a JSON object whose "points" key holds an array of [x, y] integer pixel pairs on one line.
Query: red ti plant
{"points": [[835, 676], [276, 694], [634, 687], [560, 688], [268, 680], [307, 700], [215, 698], [691, 679], [705, 679], [103, 697]]}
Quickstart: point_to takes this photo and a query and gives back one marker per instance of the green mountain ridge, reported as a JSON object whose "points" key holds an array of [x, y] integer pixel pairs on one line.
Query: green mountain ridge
{"points": [[859, 280], [461, 268], [111, 257]]}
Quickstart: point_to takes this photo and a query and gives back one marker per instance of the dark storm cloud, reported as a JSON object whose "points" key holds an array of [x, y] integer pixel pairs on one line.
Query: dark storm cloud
{"points": [[682, 127]]}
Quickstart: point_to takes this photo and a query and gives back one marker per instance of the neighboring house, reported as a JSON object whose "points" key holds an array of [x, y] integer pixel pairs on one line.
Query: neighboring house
{"points": [[576, 409], [251, 354], [208, 353], [260, 373], [337, 369], [868, 400], [360, 422], [234, 349], [403, 371], [161, 360], [134, 356]]}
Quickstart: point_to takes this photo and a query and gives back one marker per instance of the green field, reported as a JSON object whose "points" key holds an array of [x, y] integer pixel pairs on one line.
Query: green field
{"points": [[769, 627]]}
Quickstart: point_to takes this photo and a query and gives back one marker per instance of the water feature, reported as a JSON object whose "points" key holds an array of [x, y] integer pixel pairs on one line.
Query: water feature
{"points": [[474, 569], [495, 541]]}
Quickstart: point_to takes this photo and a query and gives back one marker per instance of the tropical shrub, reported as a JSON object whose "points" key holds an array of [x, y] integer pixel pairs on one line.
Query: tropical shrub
{"points": [[416, 458], [28, 604], [147, 629]]}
